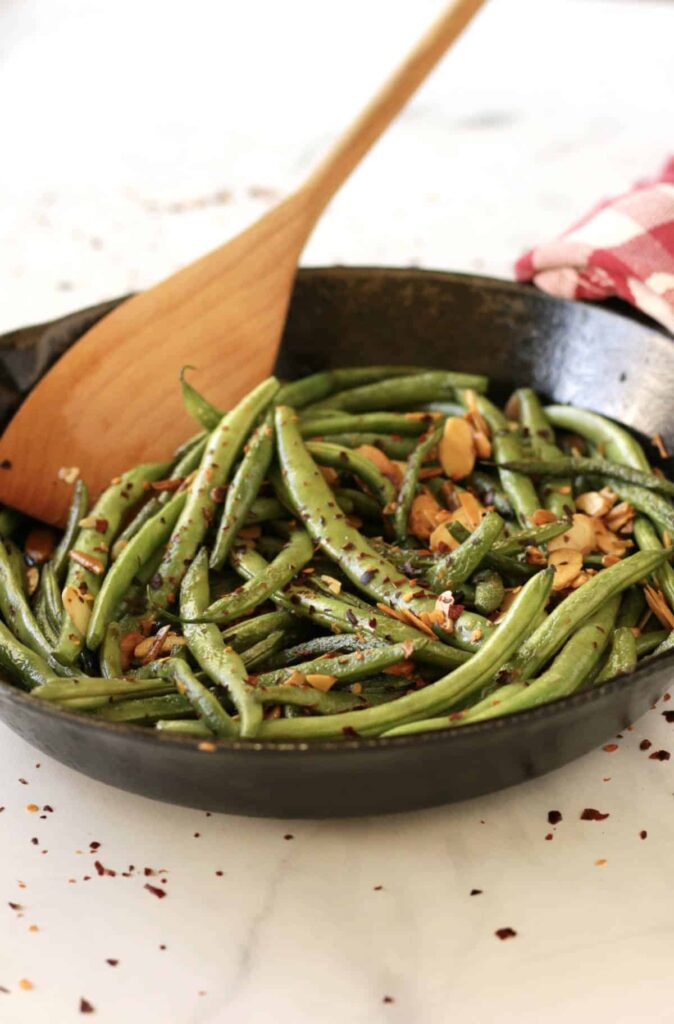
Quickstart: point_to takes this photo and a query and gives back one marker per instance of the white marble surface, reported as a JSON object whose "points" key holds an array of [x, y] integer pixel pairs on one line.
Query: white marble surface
{"points": [[136, 135]]}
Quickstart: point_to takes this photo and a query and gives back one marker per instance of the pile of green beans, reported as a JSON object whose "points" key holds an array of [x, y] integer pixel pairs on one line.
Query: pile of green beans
{"points": [[312, 565]]}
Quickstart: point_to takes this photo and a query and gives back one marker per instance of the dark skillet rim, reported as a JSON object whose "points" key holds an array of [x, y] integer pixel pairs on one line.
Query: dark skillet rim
{"points": [[511, 722]]}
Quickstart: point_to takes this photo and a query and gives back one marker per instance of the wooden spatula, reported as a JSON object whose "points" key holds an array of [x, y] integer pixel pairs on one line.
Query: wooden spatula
{"points": [[113, 399]]}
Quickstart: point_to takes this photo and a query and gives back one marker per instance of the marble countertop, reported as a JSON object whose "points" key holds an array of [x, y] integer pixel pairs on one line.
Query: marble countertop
{"points": [[137, 136]]}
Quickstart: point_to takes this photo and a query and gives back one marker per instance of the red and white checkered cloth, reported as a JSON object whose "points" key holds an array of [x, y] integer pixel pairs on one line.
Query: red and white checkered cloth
{"points": [[623, 247]]}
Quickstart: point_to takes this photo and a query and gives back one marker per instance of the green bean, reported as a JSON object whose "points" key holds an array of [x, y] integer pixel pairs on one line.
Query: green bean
{"points": [[490, 492], [557, 499], [648, 540], [470, 631], [65, 690], [17, 612], [404, 424], [515, 542], [348, 668], [184, 728], [179, 471], [344, 643], [346, 460], [503, 564], [43, 620], [93, 542], [507, 446], [110, 654], [77, 509], [198, 407], [408, 487], [652, 505], [223, 447], [619, 444], [362, 504], [665, 646], [586, 601], [401, 391], [20, 662], [300, 393], [393, 447], [206, 704], [433, 698], [258, 655], [186, 447], [632, 607], [622, 657], [135, 555], [244, 635], [335, 614], [648, 643], [293, 557], [454, 568], [219, 662], [145, 709], [489, 591], [262, 510], [345, 545], [331, 703], [574, 466], [488, 707], [243, 490], [52, 596]]}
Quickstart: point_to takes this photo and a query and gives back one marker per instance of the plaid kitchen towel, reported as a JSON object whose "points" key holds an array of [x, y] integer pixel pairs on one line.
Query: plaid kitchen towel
{"points": [[623, 247]]}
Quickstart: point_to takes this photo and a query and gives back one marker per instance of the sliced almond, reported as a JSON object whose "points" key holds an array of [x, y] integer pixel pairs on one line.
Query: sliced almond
{"points": [[456, 449], [330, 475], [421, 522], [594, 503], [87, 561], [660, 445], [472, 508], [607, 542], [534, 555], [295, 679], [620, 516], [401, 668], [542, 516], [567, 563], [77, 609], [321, 682], [380, 459], [442, 540], [581, 535], [333, 585], [581, 578], [32, 579], [658, 605], [608, 560]]}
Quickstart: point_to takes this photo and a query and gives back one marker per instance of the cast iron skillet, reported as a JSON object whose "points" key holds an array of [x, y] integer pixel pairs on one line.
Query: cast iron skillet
{"points": [[567, 351]]}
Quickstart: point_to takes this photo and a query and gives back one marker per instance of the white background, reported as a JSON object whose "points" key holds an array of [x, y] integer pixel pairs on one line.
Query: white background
{"points": [[136, 135]]}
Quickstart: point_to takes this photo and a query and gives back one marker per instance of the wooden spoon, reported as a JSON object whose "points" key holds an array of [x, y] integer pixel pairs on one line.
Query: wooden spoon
{"points": [[112, 400]]}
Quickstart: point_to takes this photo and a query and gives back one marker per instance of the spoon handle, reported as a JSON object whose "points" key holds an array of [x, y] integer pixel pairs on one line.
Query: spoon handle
{"points": [[352, 146]]}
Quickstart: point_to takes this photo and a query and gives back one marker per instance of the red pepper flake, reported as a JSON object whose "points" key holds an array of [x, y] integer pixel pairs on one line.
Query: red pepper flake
{"points": [[505, 933], [350, 732], [86, 1007], [32, 808], [94, 846], [549, 836], [162, 946], [23, 782], [668, 716], [5, 990], [643, 834], [600, 863], [113, 963], [156, 891], [35, 841], [289, 835], [554, 817], [660, 755], [377, 888], [197, 835], [667, 696], [591, 814], [476, 892], [645, 744], [388, 999], [6, 464], [219, 873], [103, 870], [610, 747], [15, 906]]}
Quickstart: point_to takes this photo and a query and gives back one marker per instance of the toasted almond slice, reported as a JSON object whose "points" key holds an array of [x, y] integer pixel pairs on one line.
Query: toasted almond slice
{"points": [[473, 508], [660, 445], [411, 619], [421, 522], [356, 688], [567, 563], [321, 682], [442, 540], [295, 679], [476, 635], [249, 532], [667, 538], [594, 503], [620, 516], [507, 601], [380, 459], [534, 555], [456, 449], [78, 610], [608, 560], [658, 605], [87, 561], [334, 585], [606, 541], [32, 579], [581, 535], [401, 668], [581, 578], [330, 475], [542, 516]]}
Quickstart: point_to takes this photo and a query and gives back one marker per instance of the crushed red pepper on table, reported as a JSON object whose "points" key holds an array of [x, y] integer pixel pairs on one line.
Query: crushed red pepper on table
{"points": [[592, 814], [660, 755], [505, 933], [554, 817], [86, 1006]]}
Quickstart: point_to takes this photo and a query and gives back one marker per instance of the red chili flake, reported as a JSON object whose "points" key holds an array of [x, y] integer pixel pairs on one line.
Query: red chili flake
{"points": [[6, 464], [35, 841], [668, 716], [23, 782], [350, 732], [645, 744], [610, 747], [643, 834], [94, 845], [101, 526], [388, 999], [219, 873], [155, 890], [476, 892], [289, 835], [86, 1007], [554, 817], [103, 870], [660, 755], [162, 946], [148, 872], [377, 888], [591, 814], [197, 835], [218, 494], [113, 963], [5, 990], [549, 836], [505, 933], [15, 906], [667, 696]]}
